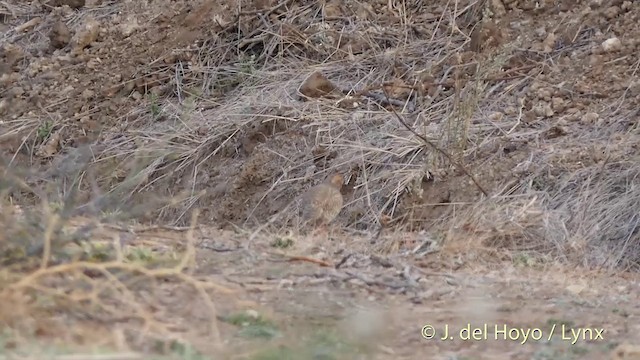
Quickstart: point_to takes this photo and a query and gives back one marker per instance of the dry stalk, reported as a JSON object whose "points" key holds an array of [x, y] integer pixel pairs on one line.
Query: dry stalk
{"points": [[439, 150]]}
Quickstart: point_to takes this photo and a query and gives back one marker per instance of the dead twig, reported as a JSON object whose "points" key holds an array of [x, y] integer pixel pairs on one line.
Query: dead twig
{"points": [[307, 259], [437, 148]]}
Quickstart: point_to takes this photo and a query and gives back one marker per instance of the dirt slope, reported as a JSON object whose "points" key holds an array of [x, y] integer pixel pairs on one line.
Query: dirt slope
{"points": [[489, 148]]}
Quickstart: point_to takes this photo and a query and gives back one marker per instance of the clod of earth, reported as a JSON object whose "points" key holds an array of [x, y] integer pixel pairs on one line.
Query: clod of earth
{"points": [[60, 36], [317, 85]]}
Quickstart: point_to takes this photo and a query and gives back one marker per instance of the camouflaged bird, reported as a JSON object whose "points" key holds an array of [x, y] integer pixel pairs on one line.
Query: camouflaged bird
{"points": [[323, 202]]}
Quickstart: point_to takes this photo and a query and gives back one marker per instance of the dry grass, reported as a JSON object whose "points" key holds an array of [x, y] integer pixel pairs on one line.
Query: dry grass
{"points": [[233, 138], [587, 217], [85, 274], [182, 158], [599, 207]]}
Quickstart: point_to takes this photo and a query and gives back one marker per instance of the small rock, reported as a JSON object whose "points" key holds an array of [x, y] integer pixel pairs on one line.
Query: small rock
{"points": [[66, 90], [87, 94], [317, 85], [14, 92], [60, 35], [12, 54], [9, 79], [558, 104], [544, 94], [365, 11], [543, 109], [557, 131], [576, 289], [94, 63], [129, 26], [348, 102], [595, 4], [159, 90], [332, 10], [612, 44], [4, 105], [252, 314], [74, 4], [51, 147], [596, 59], [496, 116], [510, 110], [498, 8], [535, 86], [549, 43], [590, 118], [397, 89], [86, 35], [527, 5], [612, 12], [573, 114]]}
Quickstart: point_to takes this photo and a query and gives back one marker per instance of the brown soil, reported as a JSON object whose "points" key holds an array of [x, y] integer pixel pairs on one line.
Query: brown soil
{"points": [[489, 151]]}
